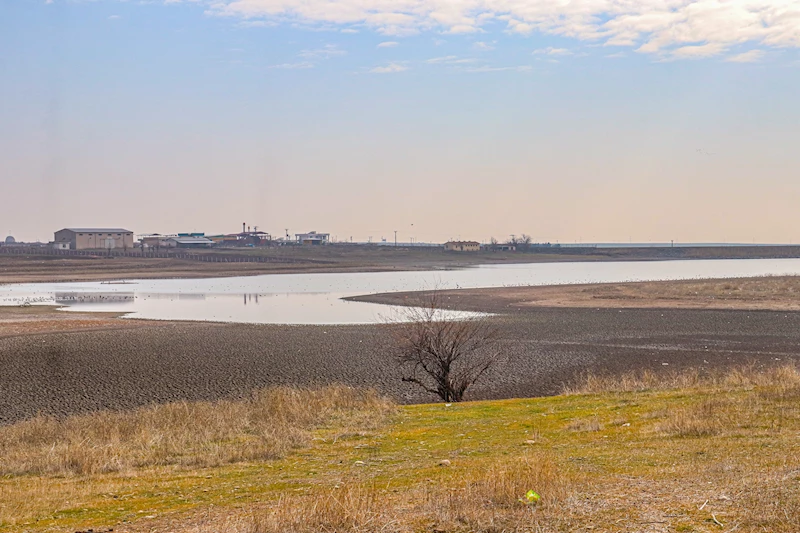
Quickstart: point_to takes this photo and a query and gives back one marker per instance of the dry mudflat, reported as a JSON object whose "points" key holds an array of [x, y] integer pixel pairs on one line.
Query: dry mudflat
{"points": [[51, 363]]}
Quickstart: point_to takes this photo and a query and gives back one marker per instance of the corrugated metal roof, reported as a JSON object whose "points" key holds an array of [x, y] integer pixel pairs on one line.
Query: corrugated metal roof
{"points": [[98, 230], [192, 240]]}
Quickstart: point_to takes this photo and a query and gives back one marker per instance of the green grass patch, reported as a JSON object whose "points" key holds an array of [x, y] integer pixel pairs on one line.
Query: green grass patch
{"points": [[684, 459]]}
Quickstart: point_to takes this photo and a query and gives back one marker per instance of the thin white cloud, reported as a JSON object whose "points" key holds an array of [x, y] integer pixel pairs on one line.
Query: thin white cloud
{"points": [[257, 24], [482, 46], [388, 44], [666, 28], [698, 51], [462, 28], [753, 56], [391, 68], [114, 17], [443, 59], [450, 60], [294, 66], [349, 30], [617, 55], [326, 52], [550, 51], [488, 68]]}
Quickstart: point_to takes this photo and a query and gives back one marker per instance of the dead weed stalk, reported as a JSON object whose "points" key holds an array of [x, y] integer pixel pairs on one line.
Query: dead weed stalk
{"points": [[266, 425]]}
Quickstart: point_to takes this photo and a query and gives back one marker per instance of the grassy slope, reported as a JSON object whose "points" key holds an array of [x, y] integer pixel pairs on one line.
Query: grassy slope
{"points": [[656, 460]]}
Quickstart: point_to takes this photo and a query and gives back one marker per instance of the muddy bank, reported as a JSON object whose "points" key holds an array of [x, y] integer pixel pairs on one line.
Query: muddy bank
{"points": [[78, 371]]}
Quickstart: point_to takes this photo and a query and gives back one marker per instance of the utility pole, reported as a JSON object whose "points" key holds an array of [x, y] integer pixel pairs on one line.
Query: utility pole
{"points": [[395, 238]]}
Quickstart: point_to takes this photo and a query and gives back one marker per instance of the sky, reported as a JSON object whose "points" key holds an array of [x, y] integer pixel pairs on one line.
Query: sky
{"points": [[570, 121]]}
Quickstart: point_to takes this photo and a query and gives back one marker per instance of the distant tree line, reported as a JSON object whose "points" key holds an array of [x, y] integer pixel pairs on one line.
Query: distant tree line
{"points": [[520, 243]]}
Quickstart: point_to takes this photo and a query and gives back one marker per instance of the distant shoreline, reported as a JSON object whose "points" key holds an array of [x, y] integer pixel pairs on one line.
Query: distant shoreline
{"points": [[347, 258]]}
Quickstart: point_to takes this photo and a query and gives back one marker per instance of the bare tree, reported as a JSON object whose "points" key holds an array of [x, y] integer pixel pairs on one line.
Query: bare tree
{"points": [[443, 356], [522, 242]]}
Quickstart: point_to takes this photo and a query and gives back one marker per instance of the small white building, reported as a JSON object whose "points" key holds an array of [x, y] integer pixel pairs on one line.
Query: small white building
{"points": [[313, 238], [462, 246], [189, 242]]}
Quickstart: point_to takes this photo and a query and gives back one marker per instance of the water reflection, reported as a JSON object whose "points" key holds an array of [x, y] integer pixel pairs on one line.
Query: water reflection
{"points": [[250, 298], [317, 298], [72, 298]]}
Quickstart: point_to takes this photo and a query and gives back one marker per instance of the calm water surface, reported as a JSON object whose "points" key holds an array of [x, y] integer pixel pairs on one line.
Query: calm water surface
{"points": [[316, 298]]}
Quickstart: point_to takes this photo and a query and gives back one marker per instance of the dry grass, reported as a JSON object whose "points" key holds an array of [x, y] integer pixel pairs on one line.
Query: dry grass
{"points": [[591, 424], [667, 455], [785, 377], [767, 292], [696, 421], [761, 293], [483, 501], [266, 425], [765, 288]]}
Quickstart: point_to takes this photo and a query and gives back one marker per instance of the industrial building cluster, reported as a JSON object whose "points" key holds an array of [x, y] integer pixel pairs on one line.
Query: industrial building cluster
{"points": [[123, 240]]}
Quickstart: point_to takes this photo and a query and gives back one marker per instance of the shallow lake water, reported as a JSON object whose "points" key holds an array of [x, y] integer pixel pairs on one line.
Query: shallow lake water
{"points": [[317, 298]]}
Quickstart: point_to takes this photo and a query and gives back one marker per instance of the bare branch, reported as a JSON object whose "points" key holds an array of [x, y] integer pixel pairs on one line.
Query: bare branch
{"points": [[441, 356]]}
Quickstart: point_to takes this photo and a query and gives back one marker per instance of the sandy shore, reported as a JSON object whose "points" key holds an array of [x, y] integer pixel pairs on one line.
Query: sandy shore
{"points": [[771, 293], [84, 363]]}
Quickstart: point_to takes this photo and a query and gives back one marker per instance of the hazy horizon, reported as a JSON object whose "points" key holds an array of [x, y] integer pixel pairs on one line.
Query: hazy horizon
{"points": [[609, 121]]}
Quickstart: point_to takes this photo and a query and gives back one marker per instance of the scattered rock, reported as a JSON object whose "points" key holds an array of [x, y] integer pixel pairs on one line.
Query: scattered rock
{"points": [[444, 462], [530, 442], [359, 463]]}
